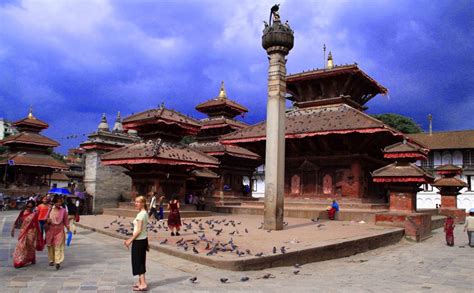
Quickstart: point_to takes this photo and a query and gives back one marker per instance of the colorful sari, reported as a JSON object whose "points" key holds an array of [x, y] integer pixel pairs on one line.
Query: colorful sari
{"points": [[449, 230], [30, 239], [55, 236]]}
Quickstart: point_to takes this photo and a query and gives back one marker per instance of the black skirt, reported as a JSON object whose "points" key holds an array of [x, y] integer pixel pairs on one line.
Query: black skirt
{"points": [[139, 248]]}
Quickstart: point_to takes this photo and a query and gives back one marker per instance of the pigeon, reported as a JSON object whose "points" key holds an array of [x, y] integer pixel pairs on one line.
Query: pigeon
{"points": [[246, 231], [315, 220], [224, 280], [282, 249], [261, 227], [244, 279], [268, 276], [274, 250], [195, 250], [296, 272], [297, 265], [106, 227], [193, 279], [208, 246], [248, 251], [269, 231], [259, 254], [320, 225], [232, 233], [179, 241], [164, 241]]}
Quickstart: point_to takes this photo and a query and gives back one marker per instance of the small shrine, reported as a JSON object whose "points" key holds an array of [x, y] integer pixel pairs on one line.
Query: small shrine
{"points": [[449, 186], [402, 180], [235, 161]]}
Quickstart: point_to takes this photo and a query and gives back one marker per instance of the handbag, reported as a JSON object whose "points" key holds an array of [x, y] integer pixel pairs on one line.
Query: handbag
{"points": [[78, 218]]}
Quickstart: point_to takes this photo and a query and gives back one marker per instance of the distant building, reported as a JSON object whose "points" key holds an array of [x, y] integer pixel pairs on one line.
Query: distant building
{"points": [[59, 180], [6, 129], [106, 184], [448, 147]]}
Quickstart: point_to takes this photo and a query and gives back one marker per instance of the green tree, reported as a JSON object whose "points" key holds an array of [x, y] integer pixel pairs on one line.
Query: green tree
{"points": [[399, 122]]}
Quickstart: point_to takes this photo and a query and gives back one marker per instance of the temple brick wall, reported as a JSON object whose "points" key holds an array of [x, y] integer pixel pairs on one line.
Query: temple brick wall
{"points": [[105, 183]]}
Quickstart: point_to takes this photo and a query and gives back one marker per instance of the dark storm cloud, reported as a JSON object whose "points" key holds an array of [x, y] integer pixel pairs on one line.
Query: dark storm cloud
{"points": [[73, 60]]}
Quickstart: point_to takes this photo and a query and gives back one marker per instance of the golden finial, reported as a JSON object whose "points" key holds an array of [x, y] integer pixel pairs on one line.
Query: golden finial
{"points": [[30, 114], [222, 93], [330, 61]]}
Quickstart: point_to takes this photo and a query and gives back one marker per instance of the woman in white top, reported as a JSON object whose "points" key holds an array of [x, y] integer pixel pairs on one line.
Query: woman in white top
{"points": [[139, 242]]}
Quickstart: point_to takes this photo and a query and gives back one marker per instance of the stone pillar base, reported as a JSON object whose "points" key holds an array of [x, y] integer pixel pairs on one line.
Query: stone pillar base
{"points": [[448, 201], [459, 215], [402, 201], [417, 225]]}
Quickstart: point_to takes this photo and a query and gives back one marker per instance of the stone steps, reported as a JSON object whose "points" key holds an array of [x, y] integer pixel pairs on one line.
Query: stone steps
{"points": [[132, 213], [323, 205], [366, 215]]}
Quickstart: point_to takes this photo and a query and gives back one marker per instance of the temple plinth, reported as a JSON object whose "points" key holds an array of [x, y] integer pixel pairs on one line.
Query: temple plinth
{"points": [[403, 179], [277, 40], [449, 186]]}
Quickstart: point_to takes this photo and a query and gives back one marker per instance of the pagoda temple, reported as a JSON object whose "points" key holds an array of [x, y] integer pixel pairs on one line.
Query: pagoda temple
{"points": [[159, 162], [106, 184], [235, 161], [331, 144], [27, 165]]}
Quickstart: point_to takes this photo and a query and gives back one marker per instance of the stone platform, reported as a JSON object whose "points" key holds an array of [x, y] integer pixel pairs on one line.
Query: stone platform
{"points": [[350, 210], [303, 240]]}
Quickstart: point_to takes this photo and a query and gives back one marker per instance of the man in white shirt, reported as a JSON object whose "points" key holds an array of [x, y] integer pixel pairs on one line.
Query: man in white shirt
{"points": [[153, 206]]}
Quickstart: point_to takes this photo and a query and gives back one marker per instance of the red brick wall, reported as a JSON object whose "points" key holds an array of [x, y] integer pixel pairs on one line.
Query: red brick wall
{"points": [[402, 201], [448, 201]]}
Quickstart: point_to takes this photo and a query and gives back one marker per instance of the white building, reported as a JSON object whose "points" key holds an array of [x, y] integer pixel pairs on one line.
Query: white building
{"points": [[6, 128], [448, 147], [257, 185]]}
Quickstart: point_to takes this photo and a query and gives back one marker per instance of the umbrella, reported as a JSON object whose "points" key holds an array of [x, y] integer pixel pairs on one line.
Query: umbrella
{"points": [[63, 191]]}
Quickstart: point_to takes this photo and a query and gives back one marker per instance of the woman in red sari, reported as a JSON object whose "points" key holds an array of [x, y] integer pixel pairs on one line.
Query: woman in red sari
{"points": [[174, 218], [30, 238], [449, 230]]}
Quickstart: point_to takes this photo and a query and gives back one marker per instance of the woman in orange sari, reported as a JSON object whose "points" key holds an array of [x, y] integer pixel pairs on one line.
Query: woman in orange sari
{"points": [[30, 238]]}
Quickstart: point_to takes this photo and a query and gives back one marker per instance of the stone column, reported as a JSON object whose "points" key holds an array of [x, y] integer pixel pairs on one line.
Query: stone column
{"points": [[275, 143], [277, 40]]}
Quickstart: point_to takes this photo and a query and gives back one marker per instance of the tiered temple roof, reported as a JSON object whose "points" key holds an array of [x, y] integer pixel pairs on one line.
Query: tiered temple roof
{"points": [[161, 130], [322, 120], [29, 147], [221, 106]]}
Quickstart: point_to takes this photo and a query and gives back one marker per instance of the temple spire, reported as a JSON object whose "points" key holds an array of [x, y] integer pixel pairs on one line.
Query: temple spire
{"points": [[30, 114], [118, 123], [330, 64], [103, 125], [222, 93]]}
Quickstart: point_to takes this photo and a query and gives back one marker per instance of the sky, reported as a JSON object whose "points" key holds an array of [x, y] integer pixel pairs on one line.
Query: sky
{"points": [[74, 60]]}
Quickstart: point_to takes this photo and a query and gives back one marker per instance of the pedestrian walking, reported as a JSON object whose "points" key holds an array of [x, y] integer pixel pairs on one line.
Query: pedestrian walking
{"points": [[30, 237], [174, 218], [139, 243], [469, 227], [55, 236], [72, 212], [43, 210], [161, 204], [153, 211], [449, 230]]}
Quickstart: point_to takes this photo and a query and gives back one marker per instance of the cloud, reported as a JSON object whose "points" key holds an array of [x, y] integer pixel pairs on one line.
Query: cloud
{"points": [[74, 60]]}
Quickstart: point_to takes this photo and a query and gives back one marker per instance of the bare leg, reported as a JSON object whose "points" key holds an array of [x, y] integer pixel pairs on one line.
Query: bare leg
{"points": [[142, 282]]}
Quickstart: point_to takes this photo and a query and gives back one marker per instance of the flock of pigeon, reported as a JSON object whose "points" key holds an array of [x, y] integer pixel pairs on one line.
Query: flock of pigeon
{"points": [[204, 241], [206, 234]]}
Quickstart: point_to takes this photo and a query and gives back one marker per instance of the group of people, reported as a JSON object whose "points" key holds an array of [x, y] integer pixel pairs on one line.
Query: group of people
{"points": [[468, 227], [43, 222]]}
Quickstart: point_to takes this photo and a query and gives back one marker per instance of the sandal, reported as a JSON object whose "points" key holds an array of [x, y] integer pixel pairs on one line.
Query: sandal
{"points": [[140, 289]]}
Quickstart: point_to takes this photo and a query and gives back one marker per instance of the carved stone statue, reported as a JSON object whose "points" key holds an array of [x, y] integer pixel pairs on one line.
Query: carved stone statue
{"points": [[274, 14]]}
